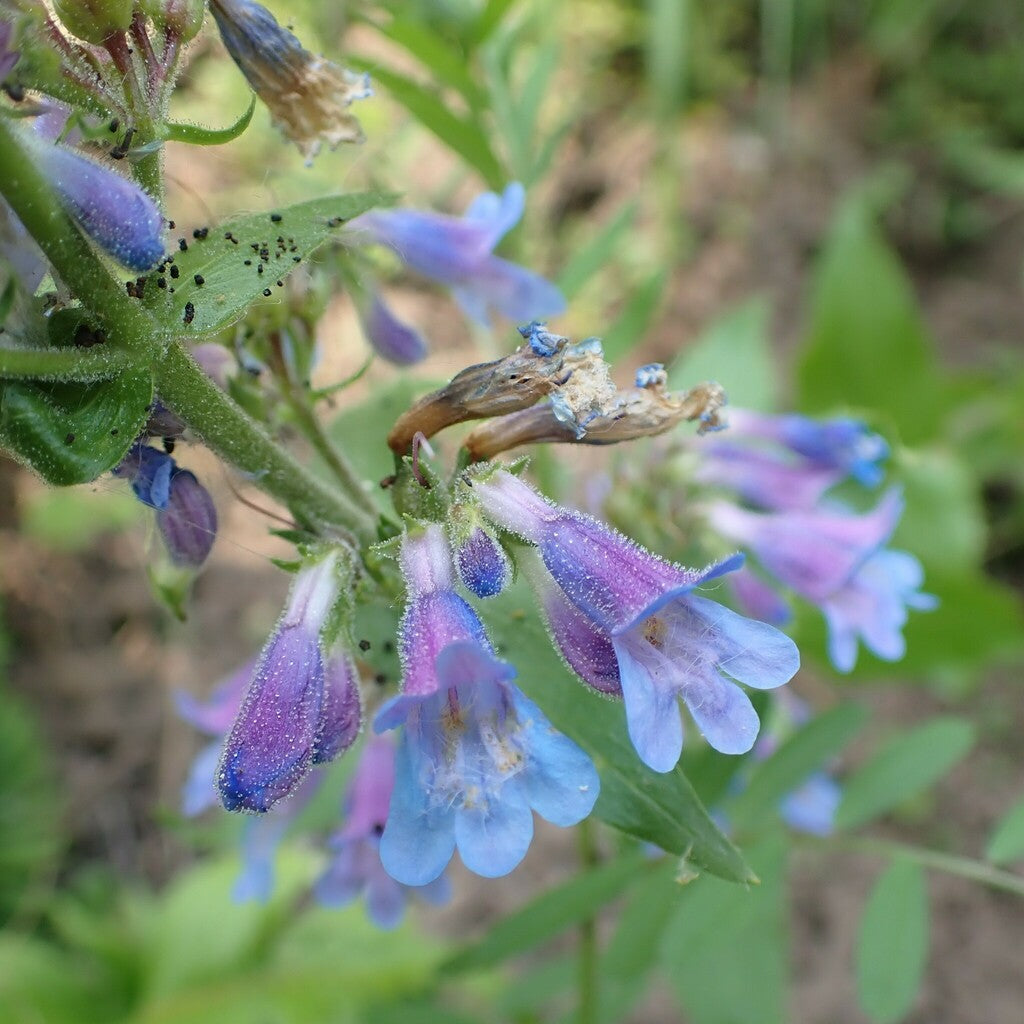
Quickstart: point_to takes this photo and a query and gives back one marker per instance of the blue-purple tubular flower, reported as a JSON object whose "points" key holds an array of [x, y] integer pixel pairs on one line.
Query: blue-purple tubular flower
{"points": [[355, 868], [812, 806], [668, 642], [841, 443], [185, 513], [458, 253], [275, 737], [475, 757], [390, 337], [341, 715], [113, 211]]}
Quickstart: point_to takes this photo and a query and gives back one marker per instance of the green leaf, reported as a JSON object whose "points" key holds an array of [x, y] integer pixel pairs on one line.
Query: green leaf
{"points": [[197, 135], [436, 54], [633, 951], [593, 256], [893, 944], [549, 914], [229, 287], [463, 135], [636, 317], [491, 16], [801, 755], [725, 952], [906, 765], [659, 808], [1007, 842], [943, 523], [868, 345], [71, 433], [734, 350]]}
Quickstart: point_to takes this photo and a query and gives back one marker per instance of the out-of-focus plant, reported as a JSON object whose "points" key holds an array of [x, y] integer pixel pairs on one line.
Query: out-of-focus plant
{"points": [[127, 339]]}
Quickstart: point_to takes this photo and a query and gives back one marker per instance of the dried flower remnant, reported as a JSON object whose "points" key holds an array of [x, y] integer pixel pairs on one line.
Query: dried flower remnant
{"points": [[307, 96]]}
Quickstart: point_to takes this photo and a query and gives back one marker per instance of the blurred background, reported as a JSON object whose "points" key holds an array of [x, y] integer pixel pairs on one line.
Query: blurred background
{"points": [[820, 204]]}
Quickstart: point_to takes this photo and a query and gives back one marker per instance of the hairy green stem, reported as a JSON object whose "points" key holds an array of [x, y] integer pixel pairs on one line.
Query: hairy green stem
{"points": [[314, 432], [63, 363], [235, 436], [964, 867], [587, 973]]}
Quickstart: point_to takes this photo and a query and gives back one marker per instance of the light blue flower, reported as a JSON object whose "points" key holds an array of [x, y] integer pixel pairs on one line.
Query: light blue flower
{"points": [[475, 758], [458, 252], [355, 868]]}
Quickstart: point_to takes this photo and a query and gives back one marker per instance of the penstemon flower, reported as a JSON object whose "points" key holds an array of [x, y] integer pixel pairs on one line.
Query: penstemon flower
{"points": [[458, 253], [297, 712], [355, 867], [668, 642], [475, 757]]}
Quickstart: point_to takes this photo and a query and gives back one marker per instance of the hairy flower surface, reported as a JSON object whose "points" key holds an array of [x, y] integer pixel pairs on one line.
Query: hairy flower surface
{"points": [[668, 642], [483, 566], [308, 96], [355, 869], [475, 757], [278, 730], [391, 338], [458, 253], [112, 210]]}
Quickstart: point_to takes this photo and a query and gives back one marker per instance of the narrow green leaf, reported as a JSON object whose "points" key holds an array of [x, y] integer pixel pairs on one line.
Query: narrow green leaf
{"points": [[197, 135], [632, 953], [226, 285], [636, 317], [868, 344], [71, 433], [893, 944], [462, 135], [550, 913], [588, 259], [658, 808], [801, 755], [735, 351], [490, 18], [1007, 842], [725, 952], [906, 765], [436, 54], [666, 53]]}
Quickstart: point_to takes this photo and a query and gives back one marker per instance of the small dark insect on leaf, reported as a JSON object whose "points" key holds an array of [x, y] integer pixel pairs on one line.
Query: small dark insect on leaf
{"points": [[190, 313], [200, 233], [182, 245], [199, 280], [175, 273], [70, 439], [364, 645], [266, 291], [276, 218]]}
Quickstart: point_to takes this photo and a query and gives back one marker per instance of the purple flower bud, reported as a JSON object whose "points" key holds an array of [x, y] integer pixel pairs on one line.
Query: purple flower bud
{"points": [[273, 741], [188, 522], [164, 423], [356, 869], [458, 252], [113, 211], [215, 715], [391, 339], [342, 712], [482, 563], [668, 642]]}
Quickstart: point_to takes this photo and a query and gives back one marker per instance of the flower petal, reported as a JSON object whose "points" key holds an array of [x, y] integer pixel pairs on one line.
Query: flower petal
{"points": [[494, 835]]}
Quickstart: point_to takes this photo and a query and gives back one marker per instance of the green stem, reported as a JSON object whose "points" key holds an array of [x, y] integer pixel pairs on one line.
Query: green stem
{"points": [[63, 363], [964, 867], [79, 267], [314, 432], [587, 977], [235, 436]]}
